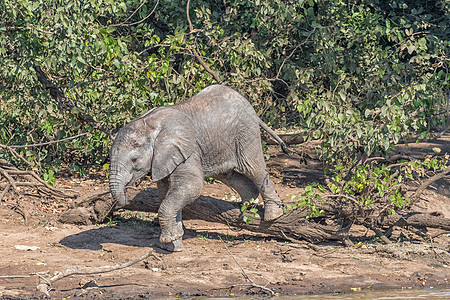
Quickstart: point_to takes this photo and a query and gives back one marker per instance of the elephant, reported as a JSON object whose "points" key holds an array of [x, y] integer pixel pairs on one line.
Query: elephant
{"points": [[214, 134]]}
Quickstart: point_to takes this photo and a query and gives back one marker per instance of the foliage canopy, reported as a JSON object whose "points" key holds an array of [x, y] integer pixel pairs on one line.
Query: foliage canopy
{"points": [[358, 75]]}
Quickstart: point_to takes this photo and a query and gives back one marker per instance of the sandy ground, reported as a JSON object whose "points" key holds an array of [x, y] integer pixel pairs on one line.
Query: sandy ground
{"points": [[217, 260]]}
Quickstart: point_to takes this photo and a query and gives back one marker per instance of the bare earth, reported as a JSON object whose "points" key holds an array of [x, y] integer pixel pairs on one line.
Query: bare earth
{"points": [[216, 257]]}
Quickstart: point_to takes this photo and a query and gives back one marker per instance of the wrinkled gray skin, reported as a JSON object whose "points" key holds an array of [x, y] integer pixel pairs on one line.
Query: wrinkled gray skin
{"points": [[213, 134]]}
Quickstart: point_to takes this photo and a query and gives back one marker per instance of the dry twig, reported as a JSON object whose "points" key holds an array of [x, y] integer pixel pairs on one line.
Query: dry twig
{"points": [[252, 283], [48, 143]]}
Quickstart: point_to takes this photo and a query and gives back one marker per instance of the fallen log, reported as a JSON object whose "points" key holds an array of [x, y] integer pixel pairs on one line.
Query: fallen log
{"points": [[289, 139], [291, 226], [333, 224], [417, 220]]}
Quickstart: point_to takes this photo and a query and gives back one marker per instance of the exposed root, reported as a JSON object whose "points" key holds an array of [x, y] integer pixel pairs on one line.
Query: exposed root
{"points": [[16, 183], [380, 234], [20, 210]]}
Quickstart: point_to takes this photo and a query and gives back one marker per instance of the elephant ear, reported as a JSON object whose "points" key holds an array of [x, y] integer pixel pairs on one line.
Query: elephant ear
{"points": [[174, 144]]}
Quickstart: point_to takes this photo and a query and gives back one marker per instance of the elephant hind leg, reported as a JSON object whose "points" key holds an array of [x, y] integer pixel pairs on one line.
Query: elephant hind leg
{"points": [[273, 206], [251, 164], [256, 172], [241, 184]]}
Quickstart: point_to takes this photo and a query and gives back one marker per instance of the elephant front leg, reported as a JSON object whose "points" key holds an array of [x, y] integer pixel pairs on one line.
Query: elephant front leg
{"points": [[175, 246], [184, 186], [171, 238], [170, 223]]}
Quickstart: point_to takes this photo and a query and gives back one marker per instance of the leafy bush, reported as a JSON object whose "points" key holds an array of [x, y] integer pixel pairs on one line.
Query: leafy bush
{"points": [[249, 211], [373, 189], [360, 76]]}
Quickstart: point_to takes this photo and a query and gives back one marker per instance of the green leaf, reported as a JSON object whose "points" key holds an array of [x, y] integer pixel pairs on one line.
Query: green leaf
{"points": [[411, 48]]}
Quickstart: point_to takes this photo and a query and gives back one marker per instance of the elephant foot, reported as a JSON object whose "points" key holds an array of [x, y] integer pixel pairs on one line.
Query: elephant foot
{"points": [[175, 246], [273, 210], [175, 233]]}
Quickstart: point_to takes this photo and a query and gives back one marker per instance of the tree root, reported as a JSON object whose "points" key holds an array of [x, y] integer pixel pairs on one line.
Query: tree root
{"points": [[12, 178], [20, 210], [16, 183]]}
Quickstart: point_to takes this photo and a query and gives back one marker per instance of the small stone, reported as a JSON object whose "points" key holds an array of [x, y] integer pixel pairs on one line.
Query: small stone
{"points": [[155, 269], [51, 228], [26, 248]]}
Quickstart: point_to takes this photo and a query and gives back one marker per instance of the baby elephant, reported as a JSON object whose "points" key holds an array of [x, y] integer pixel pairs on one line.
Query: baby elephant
{"points": [[213, 134]]}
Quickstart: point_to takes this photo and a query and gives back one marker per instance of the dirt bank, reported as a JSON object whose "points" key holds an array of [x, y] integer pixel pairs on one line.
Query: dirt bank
{"points": [[217, 260]]}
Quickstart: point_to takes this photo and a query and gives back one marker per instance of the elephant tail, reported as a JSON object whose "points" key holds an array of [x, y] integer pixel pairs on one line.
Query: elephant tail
{"points": [[283, 145]]}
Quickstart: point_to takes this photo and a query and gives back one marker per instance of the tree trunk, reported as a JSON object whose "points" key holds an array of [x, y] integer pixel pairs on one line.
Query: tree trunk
{"points": [[333, 224], [292, 226]]}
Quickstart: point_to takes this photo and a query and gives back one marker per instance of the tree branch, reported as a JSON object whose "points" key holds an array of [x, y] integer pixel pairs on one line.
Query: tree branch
{"points": [[49, 143], [195, 52], [65, 104], [45, 283], [429, 181]]}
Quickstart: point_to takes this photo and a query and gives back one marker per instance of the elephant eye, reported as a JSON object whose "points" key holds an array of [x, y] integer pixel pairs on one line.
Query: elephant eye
{"points": [[133, 160]]}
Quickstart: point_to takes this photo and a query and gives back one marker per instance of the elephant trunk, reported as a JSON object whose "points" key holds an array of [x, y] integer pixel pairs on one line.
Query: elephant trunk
{"points": [[118, 193], [118, 180]]}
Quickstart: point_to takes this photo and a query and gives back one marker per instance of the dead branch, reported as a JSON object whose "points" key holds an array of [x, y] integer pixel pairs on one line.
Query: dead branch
{"points": [[91, 197], [235, 260], [289, 139], [16, 155], [252, 285], [293, 225], [333, 224], [49, 143], [142, 20], [129, 17], [429, 181], [45, 282], [14, 178], [417, 220], [16, 276], [292, 53]]}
